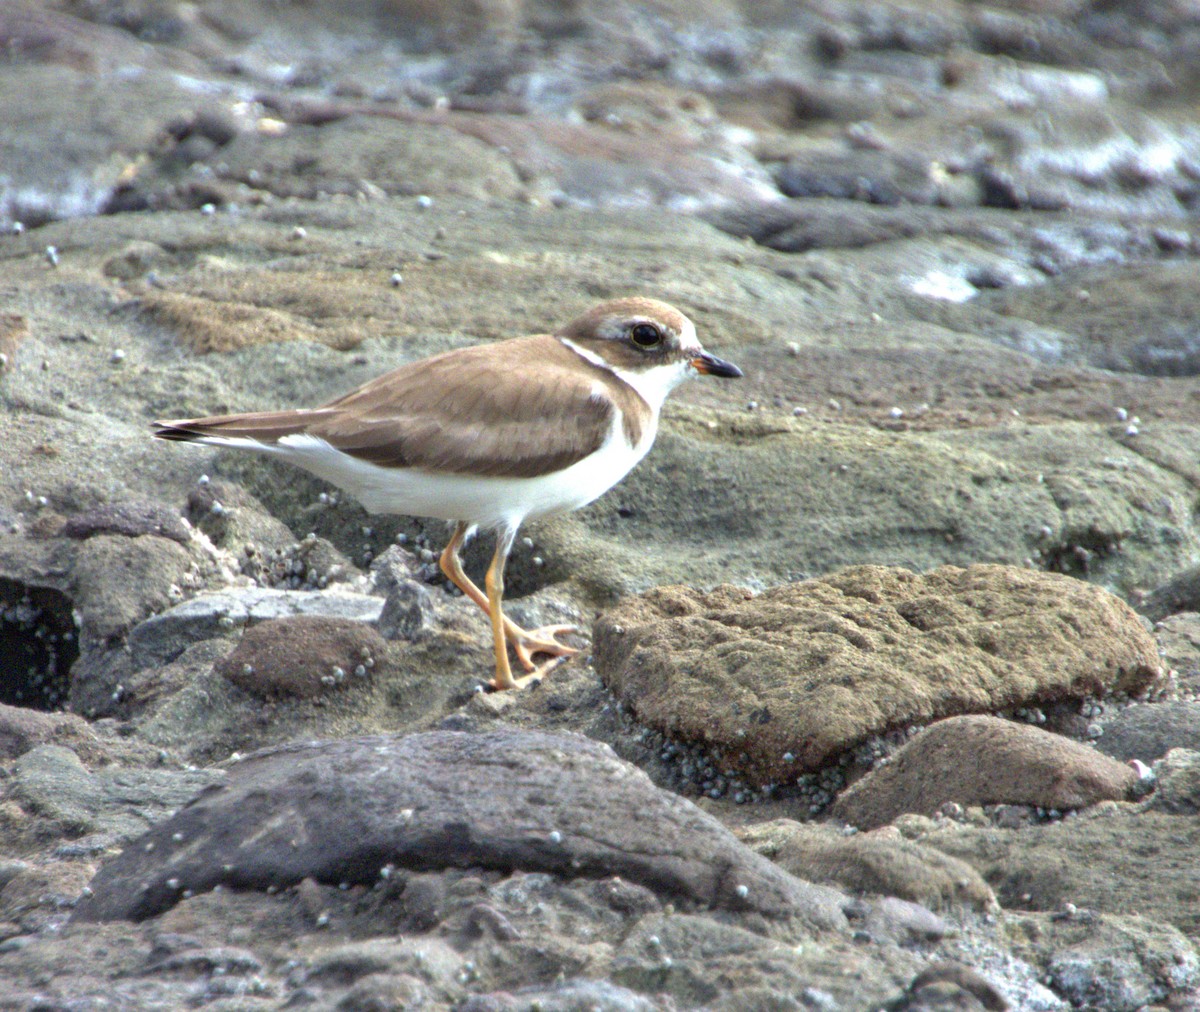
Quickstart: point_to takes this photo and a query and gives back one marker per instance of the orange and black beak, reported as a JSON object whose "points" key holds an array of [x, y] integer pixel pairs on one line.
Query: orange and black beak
{"points": [[710, 365]]}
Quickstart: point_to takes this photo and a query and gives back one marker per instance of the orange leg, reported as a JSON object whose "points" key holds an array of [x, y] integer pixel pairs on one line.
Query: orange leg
{"points": [[525, 643]]}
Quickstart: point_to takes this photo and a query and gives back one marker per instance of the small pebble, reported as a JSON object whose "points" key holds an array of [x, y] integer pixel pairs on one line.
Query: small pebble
{"points": [[397, 279], [299, 232], [118, 355], [424, 202], [52, 255], [208, 209], [18, 227]]}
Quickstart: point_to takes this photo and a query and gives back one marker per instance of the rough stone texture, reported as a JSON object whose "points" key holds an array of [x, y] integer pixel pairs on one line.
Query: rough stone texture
{"points": [[130, 519], [980, 760], [163, 637], [1109, 859], [304, 656], [1149, 731], [1179, 637], [875, 863], [1180, 593], [50, 783], [1178, 774], [812, 669], [340, 811], [21, 729]]}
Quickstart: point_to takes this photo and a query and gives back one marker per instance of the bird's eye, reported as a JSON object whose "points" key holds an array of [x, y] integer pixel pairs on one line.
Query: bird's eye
{"points": [[645, 335]]}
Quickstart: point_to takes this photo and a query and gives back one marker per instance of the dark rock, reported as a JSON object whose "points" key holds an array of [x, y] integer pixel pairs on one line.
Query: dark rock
{"points": [[304, 656], [981, 760], [339, 811], [1150, 731], [950, 987], [1180, 593], [786, 681], [130, 519]]}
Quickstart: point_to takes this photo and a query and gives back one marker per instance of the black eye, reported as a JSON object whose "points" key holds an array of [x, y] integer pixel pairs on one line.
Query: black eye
{"points": [[645, 335]]}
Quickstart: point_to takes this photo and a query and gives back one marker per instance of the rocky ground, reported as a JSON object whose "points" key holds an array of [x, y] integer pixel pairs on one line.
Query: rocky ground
{"points": [[888, 695]]}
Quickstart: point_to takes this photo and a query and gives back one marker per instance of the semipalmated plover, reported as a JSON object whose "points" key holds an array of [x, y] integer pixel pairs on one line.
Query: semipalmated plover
{"points": [[490, 436]]}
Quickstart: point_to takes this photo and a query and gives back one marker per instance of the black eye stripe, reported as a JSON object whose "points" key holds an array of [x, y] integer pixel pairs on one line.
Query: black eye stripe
{"points": [[645, 335]]}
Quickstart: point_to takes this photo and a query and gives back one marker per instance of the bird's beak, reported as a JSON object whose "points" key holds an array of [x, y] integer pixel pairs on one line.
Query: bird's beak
{"points": [[710, 365]]}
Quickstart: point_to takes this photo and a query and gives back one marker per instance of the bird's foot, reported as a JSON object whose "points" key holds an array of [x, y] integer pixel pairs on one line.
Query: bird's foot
{"points": [[534, 677], [526, 644]]}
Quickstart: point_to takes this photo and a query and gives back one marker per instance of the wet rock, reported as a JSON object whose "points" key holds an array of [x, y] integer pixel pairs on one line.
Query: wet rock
{"points": [[342, 810], [786, 681], [981, 760], [1149, 731], [304, 656], [130, 519]]}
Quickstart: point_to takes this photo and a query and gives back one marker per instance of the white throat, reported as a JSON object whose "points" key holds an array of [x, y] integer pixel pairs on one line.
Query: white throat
{"points": [[652, 384]]}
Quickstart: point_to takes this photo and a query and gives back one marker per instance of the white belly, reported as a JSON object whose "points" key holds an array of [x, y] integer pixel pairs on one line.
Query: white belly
{"points": [[485, 501]]}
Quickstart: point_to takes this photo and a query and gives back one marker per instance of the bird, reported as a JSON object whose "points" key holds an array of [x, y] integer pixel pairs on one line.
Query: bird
{"points": [[490, 436]]}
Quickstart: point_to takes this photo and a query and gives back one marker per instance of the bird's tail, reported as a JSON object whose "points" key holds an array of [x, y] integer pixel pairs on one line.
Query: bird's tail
{"points": [[264, 428]]}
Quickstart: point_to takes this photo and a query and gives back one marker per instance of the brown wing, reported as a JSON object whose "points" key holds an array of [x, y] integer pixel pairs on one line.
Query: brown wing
{"points": [[514, 409]]}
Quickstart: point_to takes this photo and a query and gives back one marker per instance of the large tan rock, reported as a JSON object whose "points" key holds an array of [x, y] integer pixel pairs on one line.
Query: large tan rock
{"points": [[787, 681], [981, 760]]}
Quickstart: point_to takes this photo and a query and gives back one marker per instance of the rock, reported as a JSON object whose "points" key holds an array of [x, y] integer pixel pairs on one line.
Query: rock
{"points": [[1123, 963], [876, 863], [50, 782], [1180, 593], [120, 581], [949, 986], [980, 760], [1109, 859], [1147, 732], [1179, 637], [786, 681], [163, 637], [22, 729], [1178, 778], [130, 519], [304, 656], [563, 997], [340, 811]]}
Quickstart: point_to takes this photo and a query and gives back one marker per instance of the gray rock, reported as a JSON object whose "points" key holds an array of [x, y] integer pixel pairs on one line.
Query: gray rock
{"points": [[981, 760], [163, 637], [1180, 593], [342, 810], [1149, 731], [1178, 779], [408, 612], [50, 782]]}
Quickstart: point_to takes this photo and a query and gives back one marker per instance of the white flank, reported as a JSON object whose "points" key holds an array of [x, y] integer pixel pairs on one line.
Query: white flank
{"points": [[487, 501]]}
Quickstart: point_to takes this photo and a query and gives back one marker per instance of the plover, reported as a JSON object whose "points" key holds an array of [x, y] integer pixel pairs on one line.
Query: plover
{"points": [[491, 436]]}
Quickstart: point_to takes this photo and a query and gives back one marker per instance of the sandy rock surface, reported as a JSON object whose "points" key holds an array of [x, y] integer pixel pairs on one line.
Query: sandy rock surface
{"points": [[952, 247]]}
